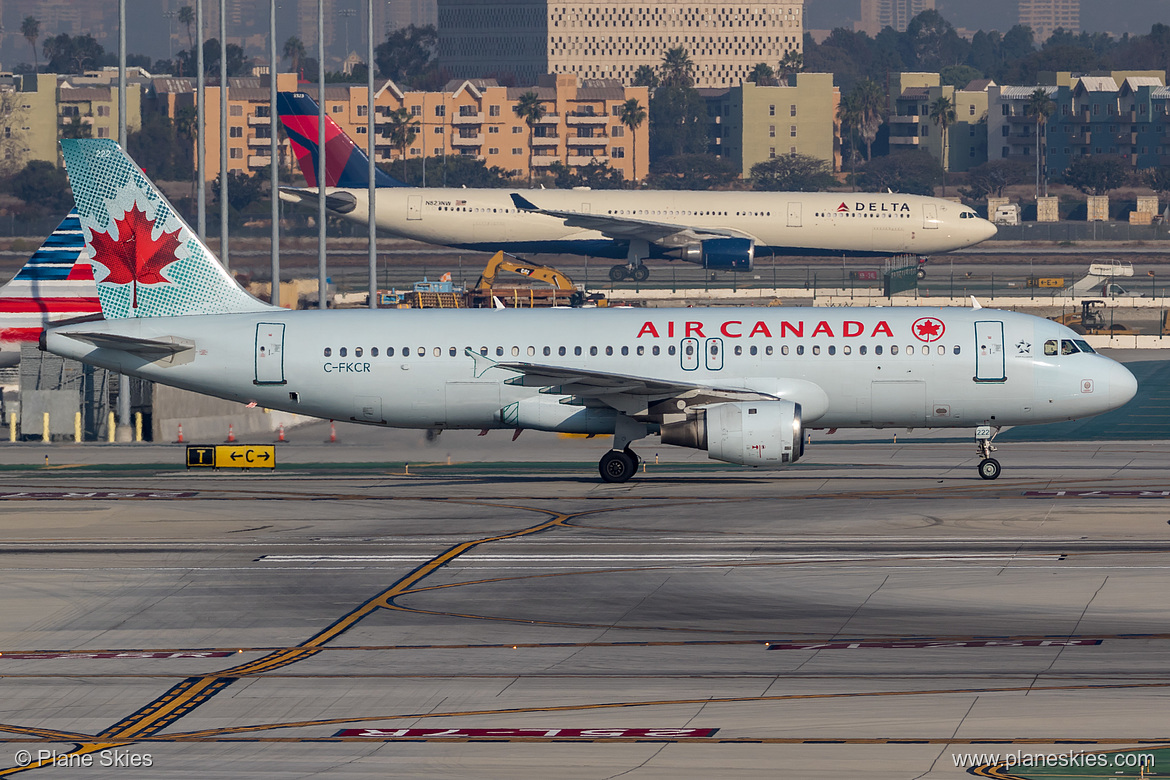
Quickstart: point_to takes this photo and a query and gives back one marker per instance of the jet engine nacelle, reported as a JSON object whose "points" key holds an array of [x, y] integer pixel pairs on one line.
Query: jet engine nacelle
{"points": [[721, 254], [758, 433]]}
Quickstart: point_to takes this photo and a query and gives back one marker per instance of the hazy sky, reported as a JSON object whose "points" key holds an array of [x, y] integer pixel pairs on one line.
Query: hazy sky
{"points": [[1133, 16]]}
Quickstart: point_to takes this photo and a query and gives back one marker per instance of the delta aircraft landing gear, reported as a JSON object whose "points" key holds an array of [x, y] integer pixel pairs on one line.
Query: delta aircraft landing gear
{"points": [[619, 273], [988, 466]]}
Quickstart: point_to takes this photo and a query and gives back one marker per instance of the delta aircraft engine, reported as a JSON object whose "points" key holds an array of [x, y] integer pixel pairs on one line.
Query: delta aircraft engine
{"points": [[721, 254], [754, 433]]}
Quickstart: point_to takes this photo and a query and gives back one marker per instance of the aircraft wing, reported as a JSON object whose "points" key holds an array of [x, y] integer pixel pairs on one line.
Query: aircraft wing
{"points": [[661, 233], [627, 393]]}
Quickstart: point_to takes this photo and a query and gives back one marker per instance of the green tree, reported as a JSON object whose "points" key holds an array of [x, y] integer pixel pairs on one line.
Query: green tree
{"points": [[407, 54], [632, 115], [792, 62], [913, 172], [402, 130], [849, 115], [43, 187], [992, 178], [959, 76], [595, 176], [458, 170], [678, 122], [155, 147], [294, 49], [692, 172], [67, 54], [1157, 179], [1040, 107], [645, 76], [871, 106], [762, 75], [942, 113], [1096, 175], [530, 108], [187, 19], [678, 70], [243, 189], [30, 28], [236, 64], [793, 173], [931, 42]]}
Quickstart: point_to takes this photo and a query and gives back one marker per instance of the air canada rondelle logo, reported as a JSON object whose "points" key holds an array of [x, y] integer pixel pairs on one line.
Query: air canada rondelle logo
{"points": [[928, 329]]}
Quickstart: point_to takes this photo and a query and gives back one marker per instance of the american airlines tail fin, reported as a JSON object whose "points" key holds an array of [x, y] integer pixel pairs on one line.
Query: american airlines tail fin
{"points": [[55, 284], [147, 260], [346, 165]]}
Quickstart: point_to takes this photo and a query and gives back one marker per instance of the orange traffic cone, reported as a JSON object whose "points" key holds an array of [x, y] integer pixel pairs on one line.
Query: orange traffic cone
{"points": [[280, 438], [180, 439], [231, 433], [332, 432]]}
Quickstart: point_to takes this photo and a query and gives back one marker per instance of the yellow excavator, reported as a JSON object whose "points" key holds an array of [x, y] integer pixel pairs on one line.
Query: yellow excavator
{"points": [[564, 291]]}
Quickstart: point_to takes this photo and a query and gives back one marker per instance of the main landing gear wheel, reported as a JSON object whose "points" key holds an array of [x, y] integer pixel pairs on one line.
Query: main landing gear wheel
{"points": [[989, 468], [618, 465], [641, 273], [921, 273], [617, 273]]}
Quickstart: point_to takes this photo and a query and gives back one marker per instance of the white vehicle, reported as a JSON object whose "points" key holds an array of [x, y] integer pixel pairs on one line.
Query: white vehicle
{"points": [[717, 230], [740, 383], [1007, 214]]}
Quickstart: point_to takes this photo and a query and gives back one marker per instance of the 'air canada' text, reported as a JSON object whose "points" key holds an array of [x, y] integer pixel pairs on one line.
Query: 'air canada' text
{"points": [[737, 329]]}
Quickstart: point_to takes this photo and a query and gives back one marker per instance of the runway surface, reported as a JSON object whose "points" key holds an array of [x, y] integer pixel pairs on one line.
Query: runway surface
{"points": [[875, 612]]}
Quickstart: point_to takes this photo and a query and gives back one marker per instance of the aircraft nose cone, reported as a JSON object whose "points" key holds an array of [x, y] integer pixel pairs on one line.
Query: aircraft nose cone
{"points": [[1122, 386], [989, 230]]}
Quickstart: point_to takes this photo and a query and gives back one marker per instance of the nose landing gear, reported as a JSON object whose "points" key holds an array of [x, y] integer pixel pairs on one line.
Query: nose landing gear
{"points": [[989, 467]]}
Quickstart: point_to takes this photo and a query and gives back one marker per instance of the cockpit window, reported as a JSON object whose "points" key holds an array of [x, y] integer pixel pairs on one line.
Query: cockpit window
{"points": [[1084, 345], [1067, 347], [1050, 347]]}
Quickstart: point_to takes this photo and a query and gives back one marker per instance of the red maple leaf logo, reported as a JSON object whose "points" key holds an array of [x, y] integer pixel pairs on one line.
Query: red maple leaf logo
{"points": [[134, 257], [927, 329]]}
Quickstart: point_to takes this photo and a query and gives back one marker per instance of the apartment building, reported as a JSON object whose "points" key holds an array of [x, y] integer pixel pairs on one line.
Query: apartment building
{"points": [[911, 125], [1045, 16], [752, 124], [876, 15], [476, 117], [1123, 114], [611, 39]]}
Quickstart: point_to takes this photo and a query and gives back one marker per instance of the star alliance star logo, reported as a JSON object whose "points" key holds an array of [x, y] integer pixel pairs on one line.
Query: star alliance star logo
{"points": [[1023, 347]]}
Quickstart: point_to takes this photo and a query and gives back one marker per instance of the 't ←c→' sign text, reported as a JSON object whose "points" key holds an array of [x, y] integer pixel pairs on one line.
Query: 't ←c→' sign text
{"points": [[231, 456]]}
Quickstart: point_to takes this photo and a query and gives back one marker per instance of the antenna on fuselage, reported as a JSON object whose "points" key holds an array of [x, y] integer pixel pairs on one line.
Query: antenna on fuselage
{"points": [[975, 304]]}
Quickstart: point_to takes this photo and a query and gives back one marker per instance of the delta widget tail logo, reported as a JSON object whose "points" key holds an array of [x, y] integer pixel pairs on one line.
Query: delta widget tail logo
{"points": [[346, 165], [147, 261]]}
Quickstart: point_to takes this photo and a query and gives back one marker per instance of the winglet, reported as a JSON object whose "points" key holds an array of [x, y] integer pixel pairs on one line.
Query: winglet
{"points": [[523, 204], [975, 304]]}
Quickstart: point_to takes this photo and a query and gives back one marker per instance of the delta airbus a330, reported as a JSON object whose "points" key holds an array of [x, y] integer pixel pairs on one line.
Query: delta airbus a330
{"points": [[740, 383], [718, 230]]}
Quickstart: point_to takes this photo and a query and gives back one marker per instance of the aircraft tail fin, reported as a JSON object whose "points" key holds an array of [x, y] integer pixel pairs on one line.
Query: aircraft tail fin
{"points": [[55, 284], [346, 165], [147, 260]]}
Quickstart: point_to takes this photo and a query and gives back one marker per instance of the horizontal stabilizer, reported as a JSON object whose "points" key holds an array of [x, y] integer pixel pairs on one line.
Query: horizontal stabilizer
{"points": [[148, 348]]}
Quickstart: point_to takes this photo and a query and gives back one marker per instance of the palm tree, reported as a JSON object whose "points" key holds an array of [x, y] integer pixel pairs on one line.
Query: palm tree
{"points": [[30, 28], [791, 62], [645, 76], [187, 18], [1040, 106], [677, 68], [871, 104], [942, 113], [531, 110], [295, 50], [762, 75], [632, 115], [849, 115], [402, 130]]}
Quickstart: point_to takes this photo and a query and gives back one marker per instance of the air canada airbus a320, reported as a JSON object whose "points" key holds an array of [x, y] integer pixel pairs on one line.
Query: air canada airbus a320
{"points": [[722, 231], [739, 383]]}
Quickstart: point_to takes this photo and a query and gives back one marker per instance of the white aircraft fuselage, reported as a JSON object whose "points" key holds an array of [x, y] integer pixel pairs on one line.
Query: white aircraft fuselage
{"points": [[906, 367], [777, 223]]}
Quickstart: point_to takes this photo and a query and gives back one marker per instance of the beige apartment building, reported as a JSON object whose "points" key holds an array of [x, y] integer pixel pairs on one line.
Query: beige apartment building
{"points": [[476, 117], [1044, 16], [755, 124], [611, 40], [910, 125]]}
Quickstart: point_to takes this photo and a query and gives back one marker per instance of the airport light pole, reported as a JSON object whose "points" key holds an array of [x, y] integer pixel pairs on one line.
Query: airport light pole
{"points": [[123, 432], [274, 154], [321, 278], [200, 129], [223, 138], [370, 146]]}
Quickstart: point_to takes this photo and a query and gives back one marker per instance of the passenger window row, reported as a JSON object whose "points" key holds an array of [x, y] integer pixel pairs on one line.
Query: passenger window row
{"points": [[689, 350]]}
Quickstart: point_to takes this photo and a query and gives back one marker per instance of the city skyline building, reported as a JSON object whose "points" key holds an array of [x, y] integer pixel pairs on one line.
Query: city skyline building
{"points": [[1045, 16], [876, 15]]}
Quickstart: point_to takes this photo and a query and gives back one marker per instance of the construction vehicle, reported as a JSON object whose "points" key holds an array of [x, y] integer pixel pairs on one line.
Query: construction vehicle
{"points": [[1090, 320], [561, 291]]}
